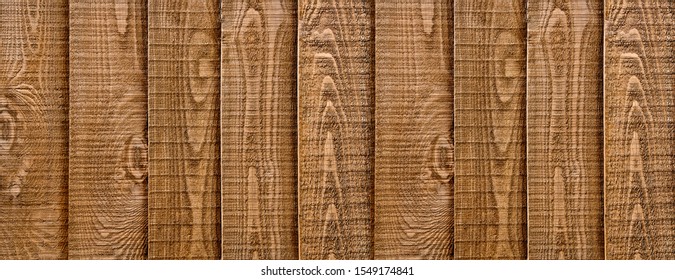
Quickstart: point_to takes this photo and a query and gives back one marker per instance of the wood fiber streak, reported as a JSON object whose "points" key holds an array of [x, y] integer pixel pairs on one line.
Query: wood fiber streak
{"points": [[184, 90], [33, 129], [564, 130], [639, 130], [490, 184], [108, 136], [414, 158], [335, 129], [259, 170]]}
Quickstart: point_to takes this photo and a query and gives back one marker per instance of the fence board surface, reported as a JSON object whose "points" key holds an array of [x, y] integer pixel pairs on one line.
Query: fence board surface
{"points": [[414, 146], [33, 129], [564, 131], [490, 198], [335, 129], [639, 130], [184, 89], [108, 150], [259, 181]]}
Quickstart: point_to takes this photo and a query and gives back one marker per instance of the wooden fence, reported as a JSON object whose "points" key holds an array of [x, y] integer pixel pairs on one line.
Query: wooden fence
{"points": [[334, 129]]}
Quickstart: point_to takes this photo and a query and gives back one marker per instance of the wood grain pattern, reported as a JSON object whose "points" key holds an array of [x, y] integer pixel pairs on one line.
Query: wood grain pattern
{"points": [[335, 129], [564, 130], [33, 129], [108, 150], [414, 169], [259, 170], [183, 81], [639, 130], [490, 197]]}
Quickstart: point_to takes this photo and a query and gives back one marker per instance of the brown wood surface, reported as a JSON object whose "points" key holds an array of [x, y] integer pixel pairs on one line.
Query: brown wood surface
{"points": [[184, 170], [564, 130], [414, 164], [639, 130], [108, 150], [259, 169], [33, 129], [490, 197], [335, 129]]}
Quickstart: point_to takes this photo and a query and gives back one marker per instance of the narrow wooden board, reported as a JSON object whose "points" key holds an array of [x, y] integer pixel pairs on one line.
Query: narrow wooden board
{"points": [[33, 129], [108, 150], [490, 197], [184, 88], [335, 129], [564, 130], [639, 130], [258, 101], [414, 169]]}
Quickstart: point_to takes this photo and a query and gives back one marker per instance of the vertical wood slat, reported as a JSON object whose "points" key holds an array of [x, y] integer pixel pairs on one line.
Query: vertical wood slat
{"points": [[639, 130], [564, 130], [335, 129], [33, 129], [108, 150], [184, 170], [490, 187], [259, 169], [414, 142]]}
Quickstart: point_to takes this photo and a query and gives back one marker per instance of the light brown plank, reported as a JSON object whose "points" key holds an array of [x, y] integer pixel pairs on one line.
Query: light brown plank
{"points": [[259, 169], [639, 130], [33, 129], [490, 197], [336, 138], [108, 150], [564, 130], [184, 88], [414, 170]]}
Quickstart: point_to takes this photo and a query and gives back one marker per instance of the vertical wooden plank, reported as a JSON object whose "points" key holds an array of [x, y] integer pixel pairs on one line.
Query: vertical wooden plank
{"points": [[414, 170], [490, 197], [639, 130], [564, 130], [335, 152], [108, 150], [259, 170], [33, 129], [183, 88]]}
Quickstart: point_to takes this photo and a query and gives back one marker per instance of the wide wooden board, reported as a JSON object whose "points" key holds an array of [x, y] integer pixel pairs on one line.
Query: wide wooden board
{"points": [[639, 130], [108, 136], [414, 163], [259, 155], [490, 197], [184, 168], [335, 129], [564, 130], [33, 129]]}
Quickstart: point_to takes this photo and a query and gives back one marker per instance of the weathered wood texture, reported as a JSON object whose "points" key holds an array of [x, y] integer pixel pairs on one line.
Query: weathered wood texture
{"points": [[639, 130], [108, 150], [335, 129], [564, 130], [414, 169], [33, 129], [259, 169], [490, 197], [184, 169]]}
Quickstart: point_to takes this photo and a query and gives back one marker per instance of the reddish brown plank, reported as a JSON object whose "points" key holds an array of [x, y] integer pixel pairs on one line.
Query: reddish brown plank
{"points": [[108, 151], [414, 164], [335, 129], [564, 130], [639, 130], [33, 129], [259, 155]]}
